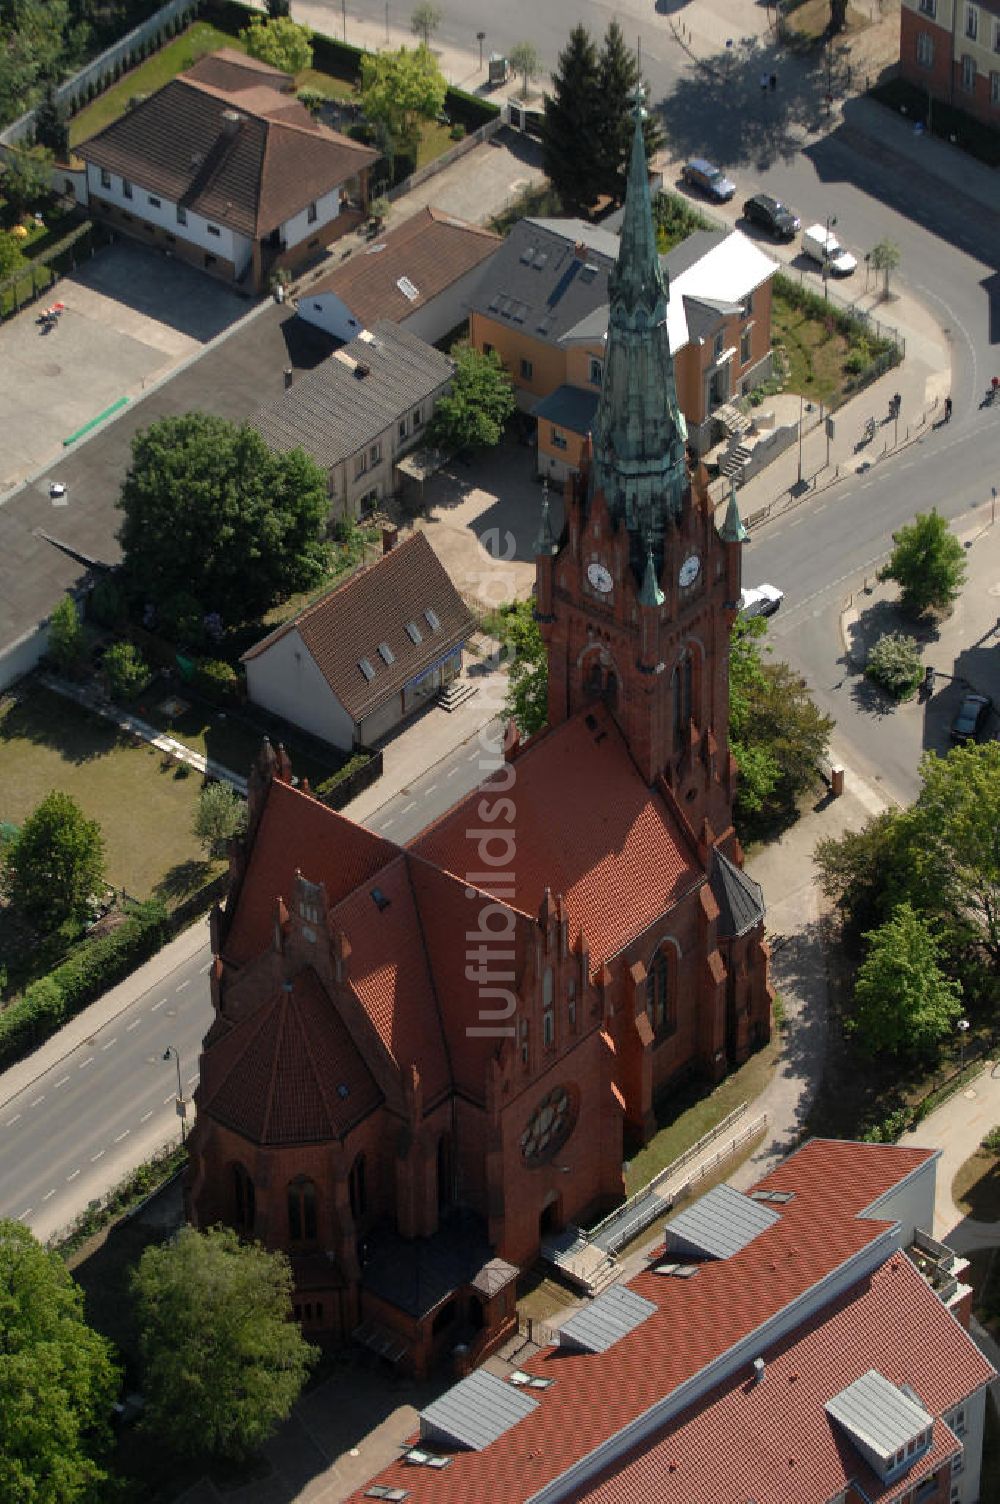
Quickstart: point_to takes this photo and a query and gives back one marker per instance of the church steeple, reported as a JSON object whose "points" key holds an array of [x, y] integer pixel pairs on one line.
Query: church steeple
{"points": [[639, 434]]}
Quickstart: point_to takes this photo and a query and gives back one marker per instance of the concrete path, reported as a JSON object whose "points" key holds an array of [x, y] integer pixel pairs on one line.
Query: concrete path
{"points": [[957, 1128]]}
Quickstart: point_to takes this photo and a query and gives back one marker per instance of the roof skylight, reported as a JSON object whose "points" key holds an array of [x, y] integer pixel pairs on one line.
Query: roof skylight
{"points": [[366, 669]]}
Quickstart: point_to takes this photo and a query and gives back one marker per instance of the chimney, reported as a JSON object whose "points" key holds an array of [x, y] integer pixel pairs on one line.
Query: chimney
{"points": [[361, 371], [758, 1370], [390, 534], [231, 122], [289, 375], [580, 251]]}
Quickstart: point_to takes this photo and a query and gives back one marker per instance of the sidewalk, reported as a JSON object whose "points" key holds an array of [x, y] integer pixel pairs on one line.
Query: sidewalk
{"points": [[957, 1128]]}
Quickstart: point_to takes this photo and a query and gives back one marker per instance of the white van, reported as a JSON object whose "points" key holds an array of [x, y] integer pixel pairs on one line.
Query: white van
{"points": [[822, 245]]}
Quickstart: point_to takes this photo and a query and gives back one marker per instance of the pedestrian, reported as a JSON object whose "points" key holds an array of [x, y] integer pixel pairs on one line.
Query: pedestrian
{"points": [[774, 82], [763, 83]]}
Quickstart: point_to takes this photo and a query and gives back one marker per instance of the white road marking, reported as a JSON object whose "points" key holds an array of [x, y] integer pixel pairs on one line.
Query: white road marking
{"points": [[95, 1157], [11, 1121], [192, 1079], [171, 1098], [37, 1100], [146, 1116], [386, 823], [158, 1005], [181, 985], [26, 1213], [73, 1176], [84, 1063], [202, 969], [61, 1082], [49, 1193], [452, 772], [432, 789], [472, 757], [109, 1043], [133, 1025], [121, 1136]]}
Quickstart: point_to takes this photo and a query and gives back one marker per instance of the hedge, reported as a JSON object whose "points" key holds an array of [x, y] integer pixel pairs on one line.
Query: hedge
{"points": [[353, 765], [90, 969], [217, 680]]}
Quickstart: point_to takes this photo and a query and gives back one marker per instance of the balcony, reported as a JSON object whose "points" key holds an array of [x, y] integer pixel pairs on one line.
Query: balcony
{"points": [[940, 1266]]}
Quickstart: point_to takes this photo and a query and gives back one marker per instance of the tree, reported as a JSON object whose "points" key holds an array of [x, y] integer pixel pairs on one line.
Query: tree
{"points": [[619, 77], [209, 511], [524, 59], [425, 20], [220, 815], [571, 129], [528, 669], [125, 670], [58, 1380], [903, 1002], [894, 663], [67, 636], [927, 563], [39, 42], [26, 179], [399, 89], [278, 8], [281, 42], [885, 258], [472, 415], [55, 864], [224, 1362], [52, 124], [11, 258], [865, 872]]}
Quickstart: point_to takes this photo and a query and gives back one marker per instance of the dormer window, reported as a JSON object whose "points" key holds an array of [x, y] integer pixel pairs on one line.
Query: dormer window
{"points": [[385, 653]]}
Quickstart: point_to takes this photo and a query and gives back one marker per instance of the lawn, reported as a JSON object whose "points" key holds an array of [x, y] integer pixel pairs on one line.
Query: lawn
{"points": [[976, 1188], [326, 83], [233, 739], [815, 351], [144, 804]]}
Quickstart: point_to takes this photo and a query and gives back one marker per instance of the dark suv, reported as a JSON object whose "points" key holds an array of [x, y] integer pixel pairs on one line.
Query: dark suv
{"points": [[771, 215]]}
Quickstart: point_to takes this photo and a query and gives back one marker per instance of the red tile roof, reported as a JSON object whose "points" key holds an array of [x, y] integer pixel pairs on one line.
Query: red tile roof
{"points": [[620, 860], [291, 1074], [228, 69], [431, 249], [374, 606], [888, 1320], [296, 832]]}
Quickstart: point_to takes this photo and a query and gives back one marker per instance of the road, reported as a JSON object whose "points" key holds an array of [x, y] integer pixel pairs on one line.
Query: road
{"points": [[110, 1103]]}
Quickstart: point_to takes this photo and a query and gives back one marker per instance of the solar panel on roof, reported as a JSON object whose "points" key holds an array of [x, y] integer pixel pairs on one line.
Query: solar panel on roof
{"points": [[612, 1315], [475, 1412]]}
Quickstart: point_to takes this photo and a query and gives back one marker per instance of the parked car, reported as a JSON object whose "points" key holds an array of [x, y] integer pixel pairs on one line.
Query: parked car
{"points": [[710, 179], [763, 600], [822, 245], [970, 718], [772, 215]]}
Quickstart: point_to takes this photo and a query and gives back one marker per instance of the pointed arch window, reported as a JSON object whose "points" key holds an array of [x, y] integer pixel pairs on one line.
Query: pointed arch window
{"points": [[302, 1210], [661, 992], [683, 692], [245, 1199], [357, 1189], [548, 1008]]}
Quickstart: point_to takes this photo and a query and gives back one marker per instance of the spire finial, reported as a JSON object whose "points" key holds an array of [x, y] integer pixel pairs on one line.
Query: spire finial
{"points": [[732, 529], [650, 594], [545, 542]]}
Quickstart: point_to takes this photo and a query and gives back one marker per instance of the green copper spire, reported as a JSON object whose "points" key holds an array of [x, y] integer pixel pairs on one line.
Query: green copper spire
{"points": [[650, 594], [545, 542], [639, 433], [732, 530]]}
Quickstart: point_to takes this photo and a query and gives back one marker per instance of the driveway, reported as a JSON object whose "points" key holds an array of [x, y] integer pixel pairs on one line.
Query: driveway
{"points": [[131, 316]]}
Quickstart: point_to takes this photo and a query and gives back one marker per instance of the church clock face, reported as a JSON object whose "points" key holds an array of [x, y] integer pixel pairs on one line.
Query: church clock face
{"points": [[689, 571], [549, 1126], [599, 577]]}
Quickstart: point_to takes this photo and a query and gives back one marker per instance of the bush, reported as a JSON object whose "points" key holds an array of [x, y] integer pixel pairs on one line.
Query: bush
{"points": [[457, 132], [889, 1129], [992, 1141], [182, 619], [106, 603], [125, 669], [353, 765], [216, 679], [894, 664], [313, 99]]}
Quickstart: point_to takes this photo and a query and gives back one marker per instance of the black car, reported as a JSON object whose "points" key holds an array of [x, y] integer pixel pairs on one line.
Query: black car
{"points": [[970, 718], [771, 215]]}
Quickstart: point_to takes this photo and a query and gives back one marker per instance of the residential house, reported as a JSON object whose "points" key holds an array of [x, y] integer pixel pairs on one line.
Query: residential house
{"points": [[780, 1346], [359, 411], [421, 275], [224, 168], [951, 48], [424, 1058], [356, 663], [544, 307]]}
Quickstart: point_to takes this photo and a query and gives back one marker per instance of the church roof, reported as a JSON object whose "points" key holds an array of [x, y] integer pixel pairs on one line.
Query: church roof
{"points": [[586, 826], [740, 899], [290, 1074]]}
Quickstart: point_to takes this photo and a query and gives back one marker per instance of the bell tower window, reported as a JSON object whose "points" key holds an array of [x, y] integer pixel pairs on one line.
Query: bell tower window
{"points": [[683, 684]]}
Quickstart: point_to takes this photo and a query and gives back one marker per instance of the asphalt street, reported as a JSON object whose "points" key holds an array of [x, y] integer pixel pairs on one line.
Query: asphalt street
{"points": [[107, 1105]]}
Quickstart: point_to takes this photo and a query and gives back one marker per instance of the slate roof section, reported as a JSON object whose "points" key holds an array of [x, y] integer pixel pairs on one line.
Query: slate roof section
{"points": [[252, 179], [740, 899], [416, 1274], [568, 407], [291, 1074], [770, 1441], [537, 283], [605, 1320], [475, 1412], [877, 1414], [718, 1224], [621, 860], [431, 249], [376, 605], [230, 70], [350, 399]]}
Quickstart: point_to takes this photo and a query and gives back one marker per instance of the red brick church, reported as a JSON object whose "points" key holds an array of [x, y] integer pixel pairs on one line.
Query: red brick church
{"points": [[425, 1058]]}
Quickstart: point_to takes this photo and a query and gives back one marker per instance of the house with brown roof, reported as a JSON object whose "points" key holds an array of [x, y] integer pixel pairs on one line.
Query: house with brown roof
{"points": [[225, 168], [356, 663], [421, 275], [359, 412]]}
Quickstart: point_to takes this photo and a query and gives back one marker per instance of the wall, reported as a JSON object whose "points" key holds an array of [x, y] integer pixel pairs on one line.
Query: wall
{"points": [[299, 228], [975, 1420], [438, 316], [513, 345], [937, 77], [328, 312], [911, 1203], [228, 245], [286, 680], [20, 657]]}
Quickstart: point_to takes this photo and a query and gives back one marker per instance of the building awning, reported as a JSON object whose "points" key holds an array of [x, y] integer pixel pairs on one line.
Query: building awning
{"points": [[568, 407]]}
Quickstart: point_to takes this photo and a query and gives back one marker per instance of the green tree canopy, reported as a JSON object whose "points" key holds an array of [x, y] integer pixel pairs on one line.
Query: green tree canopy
{"points": [[865, 872], [399, 89], [527, 669], [209, 511], [927, 563], [279, 41], [67, 636], [220, 814], [125, 670], [894, 663], [618, 69], [25, 179], [40, 41], [58, 1381], [425, 19], [903, 1002], [472, 415], [224, 1362], [11, 258], [885, 258], [524, 59], [55, 864], [572, 146]]}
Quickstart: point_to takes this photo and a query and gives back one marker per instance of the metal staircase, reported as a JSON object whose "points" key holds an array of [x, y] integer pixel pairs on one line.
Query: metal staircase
{"points": [[585, 1265]]}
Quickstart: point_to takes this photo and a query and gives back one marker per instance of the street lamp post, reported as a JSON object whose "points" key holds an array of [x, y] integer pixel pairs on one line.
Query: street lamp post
{"points": [[963, 1029], [181, 1104], [343, 7], [831, 220], [801, 401], [480, 38]]}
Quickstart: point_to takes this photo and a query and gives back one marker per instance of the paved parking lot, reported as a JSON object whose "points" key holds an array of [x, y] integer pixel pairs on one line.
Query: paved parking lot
{"points": [[131, 316]]}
